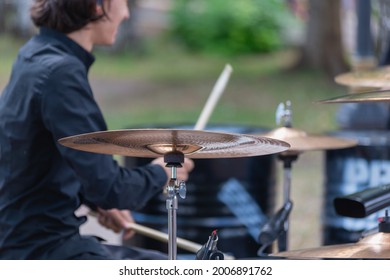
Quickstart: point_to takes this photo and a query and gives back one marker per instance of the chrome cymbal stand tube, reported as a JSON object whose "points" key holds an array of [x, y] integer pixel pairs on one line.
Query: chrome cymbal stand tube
{"points": [[173, 160], [284, 116], [287, 164]]}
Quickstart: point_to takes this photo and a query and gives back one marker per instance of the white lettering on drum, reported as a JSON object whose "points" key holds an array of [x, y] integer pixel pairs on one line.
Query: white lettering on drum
{"points": [[368, 173]]}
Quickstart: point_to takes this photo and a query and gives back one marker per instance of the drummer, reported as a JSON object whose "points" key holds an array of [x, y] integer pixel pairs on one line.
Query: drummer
{"points": [[42, 183]]}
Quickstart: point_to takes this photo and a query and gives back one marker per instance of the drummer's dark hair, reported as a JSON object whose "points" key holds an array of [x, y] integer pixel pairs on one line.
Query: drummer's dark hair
{"points": [[65, 15]]}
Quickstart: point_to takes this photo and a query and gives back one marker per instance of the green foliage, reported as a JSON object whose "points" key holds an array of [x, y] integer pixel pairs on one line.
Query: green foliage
{"points": [[232, 27]]}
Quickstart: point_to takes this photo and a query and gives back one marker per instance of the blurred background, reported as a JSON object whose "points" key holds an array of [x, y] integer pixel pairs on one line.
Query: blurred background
{"points": [[170, 53]]}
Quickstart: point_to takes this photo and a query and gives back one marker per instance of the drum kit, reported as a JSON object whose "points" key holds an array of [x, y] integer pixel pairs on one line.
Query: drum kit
{"points": [[174, 145]]}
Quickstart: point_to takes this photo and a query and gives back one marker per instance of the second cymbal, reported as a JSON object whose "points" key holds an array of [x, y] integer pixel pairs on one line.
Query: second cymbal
{"points": [[378, 77], [376, 246], [371, 96], [301, 141]]}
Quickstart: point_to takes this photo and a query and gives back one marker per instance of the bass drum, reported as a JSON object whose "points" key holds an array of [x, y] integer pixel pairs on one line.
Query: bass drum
{"points": [[234, 196], [349, 171]]}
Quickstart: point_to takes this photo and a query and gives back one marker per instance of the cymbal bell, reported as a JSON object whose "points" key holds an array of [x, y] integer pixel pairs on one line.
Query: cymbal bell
{"points": [[375, 246], [157, 142], [371, 96], [375, 78], [301, 141]]}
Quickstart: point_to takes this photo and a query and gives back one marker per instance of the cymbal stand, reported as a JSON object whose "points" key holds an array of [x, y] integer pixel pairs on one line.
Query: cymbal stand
{"points": [[284, 115], [173, 160], [277, 226], [287, 159]]}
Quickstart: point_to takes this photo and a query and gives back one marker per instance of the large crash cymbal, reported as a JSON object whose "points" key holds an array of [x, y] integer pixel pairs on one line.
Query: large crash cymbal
{"points": [[375, 78], [371, 96], [157, 142], [301, 141], [376, 246]]}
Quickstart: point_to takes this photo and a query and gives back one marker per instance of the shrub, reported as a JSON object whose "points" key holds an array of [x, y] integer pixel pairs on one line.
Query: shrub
{"points": [[229, 26]]}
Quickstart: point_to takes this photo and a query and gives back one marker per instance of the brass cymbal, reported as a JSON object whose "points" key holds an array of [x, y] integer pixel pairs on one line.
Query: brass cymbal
{"points": [[157, 142], [375, 246], [301, 141], [378, 77], [371, 96]]}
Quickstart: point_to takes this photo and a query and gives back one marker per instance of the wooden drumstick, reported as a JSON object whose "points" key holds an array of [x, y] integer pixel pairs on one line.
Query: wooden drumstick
{"points": [[214, 97], [161, 236]]}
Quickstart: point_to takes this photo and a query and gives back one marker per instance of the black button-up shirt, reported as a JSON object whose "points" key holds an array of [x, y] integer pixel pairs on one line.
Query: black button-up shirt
{"points": [[41, 182]]}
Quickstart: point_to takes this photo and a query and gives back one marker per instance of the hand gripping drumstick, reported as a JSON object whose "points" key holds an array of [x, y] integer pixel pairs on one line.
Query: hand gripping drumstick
{"points": [[160, 236], [214, 97]]}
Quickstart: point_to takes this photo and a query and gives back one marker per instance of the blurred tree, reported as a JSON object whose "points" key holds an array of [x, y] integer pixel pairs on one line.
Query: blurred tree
{"points": [[384, 32], [323, 48], [5, 9], [15, 17], [22, 24]]}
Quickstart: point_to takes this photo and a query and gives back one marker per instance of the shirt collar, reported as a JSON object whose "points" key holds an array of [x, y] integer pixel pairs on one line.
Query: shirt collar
{"points": [[86, 57]]}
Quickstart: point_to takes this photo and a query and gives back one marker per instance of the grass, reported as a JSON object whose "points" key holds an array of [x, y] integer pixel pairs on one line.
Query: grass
{"points": [[8, 51]]}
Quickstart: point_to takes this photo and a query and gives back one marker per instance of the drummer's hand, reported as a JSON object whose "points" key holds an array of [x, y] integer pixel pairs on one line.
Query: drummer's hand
{"points": [[117, 221], [182, 173]]}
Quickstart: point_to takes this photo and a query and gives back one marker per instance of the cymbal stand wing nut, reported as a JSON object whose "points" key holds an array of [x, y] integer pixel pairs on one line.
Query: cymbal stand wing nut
{"points": [[175, 188]]}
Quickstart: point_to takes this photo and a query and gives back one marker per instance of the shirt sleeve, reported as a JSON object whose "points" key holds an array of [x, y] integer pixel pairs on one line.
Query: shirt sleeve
{"points": [[68, 109]]}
